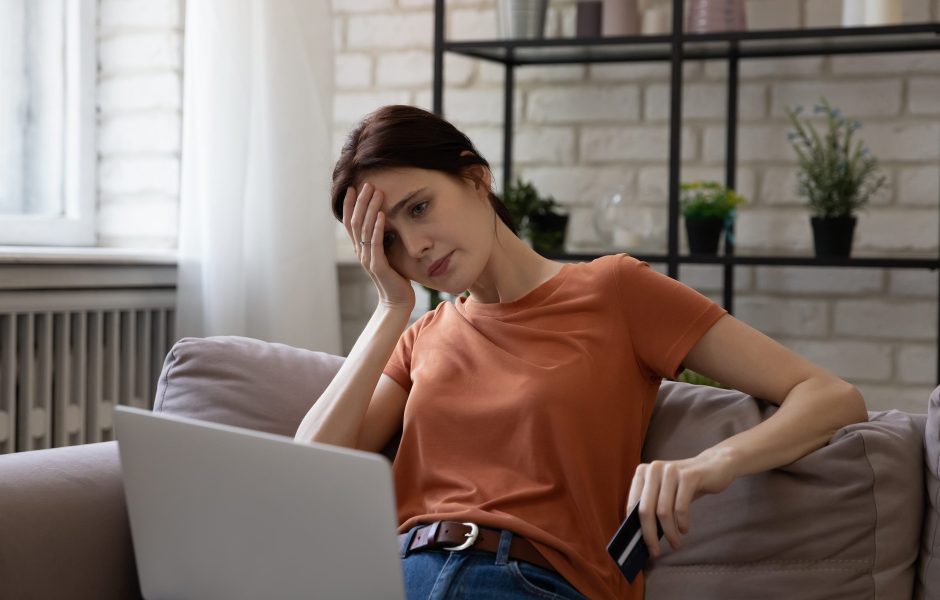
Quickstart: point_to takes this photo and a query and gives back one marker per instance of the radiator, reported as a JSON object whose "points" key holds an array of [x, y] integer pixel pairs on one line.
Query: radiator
{"points": [[68, 356]]}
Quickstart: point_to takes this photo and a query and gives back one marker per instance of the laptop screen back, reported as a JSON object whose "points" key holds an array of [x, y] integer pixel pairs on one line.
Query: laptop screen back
{"points": [[223, 512]]}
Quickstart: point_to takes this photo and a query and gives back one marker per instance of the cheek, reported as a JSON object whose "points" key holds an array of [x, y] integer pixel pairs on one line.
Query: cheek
{"points": [[396, 262]]}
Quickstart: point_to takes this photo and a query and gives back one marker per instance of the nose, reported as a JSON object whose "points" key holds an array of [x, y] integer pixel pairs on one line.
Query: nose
{"points": [[416, 245]]}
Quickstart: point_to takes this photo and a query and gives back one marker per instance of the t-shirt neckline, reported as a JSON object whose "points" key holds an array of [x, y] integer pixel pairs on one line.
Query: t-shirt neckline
{"points": [[539, 293]]}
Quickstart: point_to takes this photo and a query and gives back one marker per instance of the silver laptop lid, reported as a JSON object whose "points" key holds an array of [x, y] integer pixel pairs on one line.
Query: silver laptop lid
{"points": [[223, 512]]}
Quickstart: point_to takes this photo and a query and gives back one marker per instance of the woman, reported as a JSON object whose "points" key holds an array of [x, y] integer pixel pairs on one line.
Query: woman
{"points": [[525, 404]]}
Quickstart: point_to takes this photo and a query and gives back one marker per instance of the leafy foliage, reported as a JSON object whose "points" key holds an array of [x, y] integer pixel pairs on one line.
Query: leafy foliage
{"points": [[523, 201], [692, 377], [708, 200], [526, 207], [837, 175]]}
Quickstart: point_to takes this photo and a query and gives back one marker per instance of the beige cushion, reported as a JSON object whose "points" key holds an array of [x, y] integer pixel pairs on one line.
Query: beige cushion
{"points": [[243, 381], [841, 522], [928, 569], [246, 382]]}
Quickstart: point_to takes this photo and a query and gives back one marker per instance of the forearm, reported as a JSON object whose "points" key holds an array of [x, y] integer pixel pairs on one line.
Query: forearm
{"points": [[336, 416], [806, 420]]}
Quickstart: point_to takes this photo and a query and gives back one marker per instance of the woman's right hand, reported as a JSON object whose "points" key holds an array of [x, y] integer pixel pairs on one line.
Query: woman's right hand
{"points": [[365, 223]]}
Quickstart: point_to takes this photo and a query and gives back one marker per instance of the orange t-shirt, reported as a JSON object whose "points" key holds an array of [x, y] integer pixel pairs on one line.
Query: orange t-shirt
{"points": [[530, 415]]}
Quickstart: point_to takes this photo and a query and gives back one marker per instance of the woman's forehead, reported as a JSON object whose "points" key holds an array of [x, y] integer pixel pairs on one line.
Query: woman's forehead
{"points": [[398, 179]]}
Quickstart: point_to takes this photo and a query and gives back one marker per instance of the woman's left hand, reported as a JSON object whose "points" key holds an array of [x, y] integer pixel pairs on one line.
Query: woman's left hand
{"points": [[666, 488]]}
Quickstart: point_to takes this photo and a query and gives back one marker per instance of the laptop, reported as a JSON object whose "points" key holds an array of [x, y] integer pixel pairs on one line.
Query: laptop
{"points": [[224, 512]]}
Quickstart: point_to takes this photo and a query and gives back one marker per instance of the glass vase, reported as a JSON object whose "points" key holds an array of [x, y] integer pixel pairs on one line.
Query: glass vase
{"points": [[619, 224], [706, 16]]}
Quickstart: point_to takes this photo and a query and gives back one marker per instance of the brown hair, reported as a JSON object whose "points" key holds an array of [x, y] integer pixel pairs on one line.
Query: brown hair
{"points": [[400, 136]]}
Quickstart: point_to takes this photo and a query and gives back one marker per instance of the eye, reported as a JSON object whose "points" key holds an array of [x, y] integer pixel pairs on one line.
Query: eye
{"points": [[390, 237], [417, 205]]}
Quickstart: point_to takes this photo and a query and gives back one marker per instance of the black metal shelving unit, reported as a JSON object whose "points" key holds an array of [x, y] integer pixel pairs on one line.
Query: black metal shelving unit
{"points": [[677, 48]]}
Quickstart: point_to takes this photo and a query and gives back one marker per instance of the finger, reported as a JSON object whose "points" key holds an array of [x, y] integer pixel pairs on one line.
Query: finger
{"points": [[636, 488], [648, 501], [665, 506], [378, 235], [359, 211], [372, 208], [683, 501], [348, 202], [369, 224]]}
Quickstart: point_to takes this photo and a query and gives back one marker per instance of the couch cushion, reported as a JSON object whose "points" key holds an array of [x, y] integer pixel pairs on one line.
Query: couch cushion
{"points": [[928, 569], [841, 522], [245, 382]]}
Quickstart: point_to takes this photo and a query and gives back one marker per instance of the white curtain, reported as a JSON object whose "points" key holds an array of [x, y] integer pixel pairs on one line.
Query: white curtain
{"points": [[256, 247]]}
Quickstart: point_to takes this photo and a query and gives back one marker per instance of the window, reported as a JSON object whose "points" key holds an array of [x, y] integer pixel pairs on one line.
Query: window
{"points": [[47, 122]]}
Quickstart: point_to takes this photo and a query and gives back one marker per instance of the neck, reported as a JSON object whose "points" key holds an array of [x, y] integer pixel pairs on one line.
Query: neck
{"points": [[513, 270]]}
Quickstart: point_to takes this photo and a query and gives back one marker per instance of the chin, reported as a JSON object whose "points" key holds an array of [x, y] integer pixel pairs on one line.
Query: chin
{"points": [[445, 291], [441, 290]]}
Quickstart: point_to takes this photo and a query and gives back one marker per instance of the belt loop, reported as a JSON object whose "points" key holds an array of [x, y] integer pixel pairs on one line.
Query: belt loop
{"points": [[431, 533], [505, 541], [411, 535]]}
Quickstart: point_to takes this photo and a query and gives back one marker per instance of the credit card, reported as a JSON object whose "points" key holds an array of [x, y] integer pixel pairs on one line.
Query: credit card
{"points": [[627, 547]]}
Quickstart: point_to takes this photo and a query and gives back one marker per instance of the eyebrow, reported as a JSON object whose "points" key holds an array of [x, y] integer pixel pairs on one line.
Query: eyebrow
{"points": [[401, 203]]}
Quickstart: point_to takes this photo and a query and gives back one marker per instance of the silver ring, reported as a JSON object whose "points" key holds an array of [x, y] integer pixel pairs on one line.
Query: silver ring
{"points": [[472, 537], [365, 243]]}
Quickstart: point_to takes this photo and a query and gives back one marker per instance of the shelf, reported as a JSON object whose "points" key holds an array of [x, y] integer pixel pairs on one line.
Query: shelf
{"points": [[813, 42], [922, 262], [557, 51], [672, 50], [695, 46]]}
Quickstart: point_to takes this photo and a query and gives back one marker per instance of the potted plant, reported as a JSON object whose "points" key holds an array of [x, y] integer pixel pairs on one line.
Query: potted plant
{"points": [[708, 208], [536, 217], [835, 176]]}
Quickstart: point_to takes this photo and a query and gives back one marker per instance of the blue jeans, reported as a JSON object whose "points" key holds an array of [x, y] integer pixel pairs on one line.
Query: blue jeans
{"points": [[474, 574]]}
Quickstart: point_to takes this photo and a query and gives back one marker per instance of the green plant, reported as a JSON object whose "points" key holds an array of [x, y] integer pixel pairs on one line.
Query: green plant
{"points": [[524, 202], [836, 177], [692, 377], [708, 200]]}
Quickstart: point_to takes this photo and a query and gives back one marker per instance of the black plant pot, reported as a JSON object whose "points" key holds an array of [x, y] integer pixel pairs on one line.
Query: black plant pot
{"points": [[704, 235], [832, 236], [548, 231]]}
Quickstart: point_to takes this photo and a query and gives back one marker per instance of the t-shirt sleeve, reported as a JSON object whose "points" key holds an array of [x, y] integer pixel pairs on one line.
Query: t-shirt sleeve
{"points": [[665, 317], [398, 366]]}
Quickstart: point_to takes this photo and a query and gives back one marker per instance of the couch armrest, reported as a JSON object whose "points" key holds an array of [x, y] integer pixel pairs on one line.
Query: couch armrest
{"points": [[64, 531]]}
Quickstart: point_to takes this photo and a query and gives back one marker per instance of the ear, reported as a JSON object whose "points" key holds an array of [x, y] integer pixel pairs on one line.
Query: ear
{"points": [[481, 175]]}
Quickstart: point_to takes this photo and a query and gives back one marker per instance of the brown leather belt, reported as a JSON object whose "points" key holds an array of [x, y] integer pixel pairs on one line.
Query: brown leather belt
{"points": [[453, 535]]}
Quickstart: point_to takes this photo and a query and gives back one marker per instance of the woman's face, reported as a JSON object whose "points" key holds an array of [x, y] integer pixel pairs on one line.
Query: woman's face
{"points": [[445, 217]]}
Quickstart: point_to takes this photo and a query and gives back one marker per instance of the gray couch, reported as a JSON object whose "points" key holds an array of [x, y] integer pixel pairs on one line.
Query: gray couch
{"points": [[855, 519]]}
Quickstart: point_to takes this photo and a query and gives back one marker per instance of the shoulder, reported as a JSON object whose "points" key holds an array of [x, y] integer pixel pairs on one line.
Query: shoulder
{"points": [[621, 261], [620, 267], [436, 314]]}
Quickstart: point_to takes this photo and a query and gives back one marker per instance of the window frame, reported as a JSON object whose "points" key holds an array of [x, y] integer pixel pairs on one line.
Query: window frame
{"points": [[76, 226]]}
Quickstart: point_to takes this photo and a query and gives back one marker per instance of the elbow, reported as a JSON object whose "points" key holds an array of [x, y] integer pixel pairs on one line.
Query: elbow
{"points": [[851, 398], [843, 402], [858, 402], [848, 408]]}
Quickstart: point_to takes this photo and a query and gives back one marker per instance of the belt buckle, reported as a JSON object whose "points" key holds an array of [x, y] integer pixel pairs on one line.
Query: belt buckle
{"points": [[474, 532]]}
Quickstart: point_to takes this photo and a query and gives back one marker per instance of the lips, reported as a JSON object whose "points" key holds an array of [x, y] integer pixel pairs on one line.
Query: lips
{"points": [[436, 267]]}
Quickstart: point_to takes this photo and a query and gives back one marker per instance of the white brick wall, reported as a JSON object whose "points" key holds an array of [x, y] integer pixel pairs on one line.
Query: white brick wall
{"points": [[583, 104], [580, 129], [139, 122], [879, 98]]}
